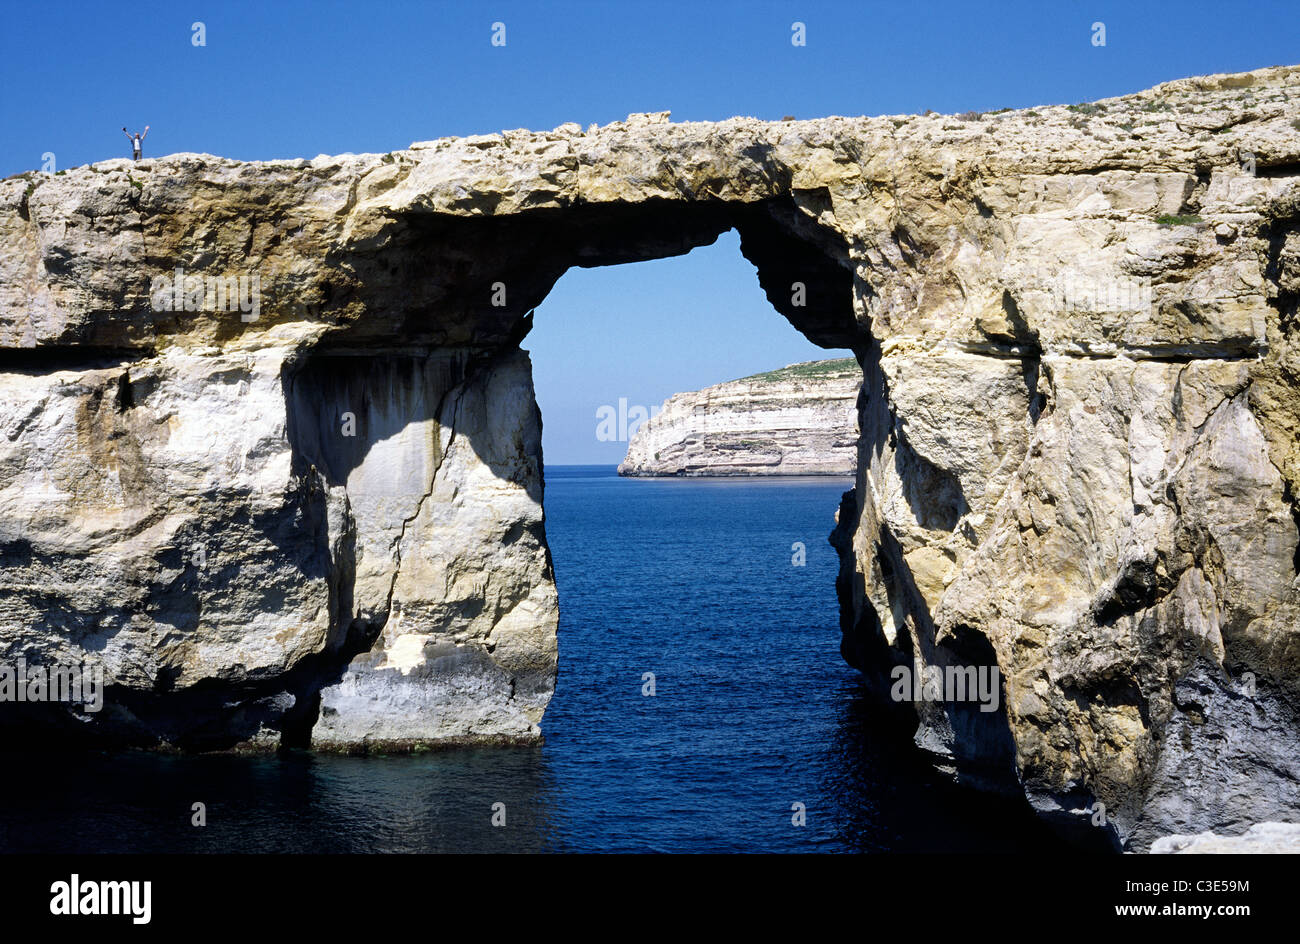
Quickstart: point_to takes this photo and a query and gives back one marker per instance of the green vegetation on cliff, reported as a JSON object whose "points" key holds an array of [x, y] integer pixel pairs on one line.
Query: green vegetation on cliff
{"points": [[809, 370]]}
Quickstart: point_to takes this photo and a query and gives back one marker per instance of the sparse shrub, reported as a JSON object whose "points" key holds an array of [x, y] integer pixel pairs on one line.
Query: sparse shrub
{"points": [[1175, 220], [1087, 108], [970, 116], [806, 370]]}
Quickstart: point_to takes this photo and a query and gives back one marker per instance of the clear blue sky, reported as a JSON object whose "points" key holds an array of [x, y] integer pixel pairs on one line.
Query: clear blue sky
{"points": [[290, 79]]}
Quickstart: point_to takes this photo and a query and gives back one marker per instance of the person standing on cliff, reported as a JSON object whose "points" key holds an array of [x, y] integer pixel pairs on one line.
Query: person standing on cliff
{"points": [[136, 141]]}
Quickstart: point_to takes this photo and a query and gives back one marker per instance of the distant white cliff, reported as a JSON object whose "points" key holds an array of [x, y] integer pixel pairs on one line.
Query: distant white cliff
{"points": [[799, 420]]}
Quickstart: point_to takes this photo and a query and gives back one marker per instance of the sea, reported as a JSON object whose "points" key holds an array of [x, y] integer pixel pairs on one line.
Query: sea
{"points": [[702, 705]]}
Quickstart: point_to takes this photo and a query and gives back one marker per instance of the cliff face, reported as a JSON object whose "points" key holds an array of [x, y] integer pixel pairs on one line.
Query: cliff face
{"points": [[800, 420], [318, 517]]}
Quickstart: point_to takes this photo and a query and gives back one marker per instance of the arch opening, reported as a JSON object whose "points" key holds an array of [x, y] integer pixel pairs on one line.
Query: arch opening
{"points": [[443, 458]]}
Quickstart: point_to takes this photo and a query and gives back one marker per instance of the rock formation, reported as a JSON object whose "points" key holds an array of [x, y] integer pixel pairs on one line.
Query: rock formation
{"points": [[317, 516], [799, 420], [1265, 838]]}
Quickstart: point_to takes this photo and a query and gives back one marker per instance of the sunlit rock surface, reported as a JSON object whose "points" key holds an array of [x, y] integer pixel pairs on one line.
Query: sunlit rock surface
{"points": [[799, 420], [1262, 838], [318, 518]]}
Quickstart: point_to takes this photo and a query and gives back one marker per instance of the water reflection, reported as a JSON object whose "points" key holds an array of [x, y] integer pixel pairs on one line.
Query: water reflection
{"points": [[298, 802], [870, 796]]}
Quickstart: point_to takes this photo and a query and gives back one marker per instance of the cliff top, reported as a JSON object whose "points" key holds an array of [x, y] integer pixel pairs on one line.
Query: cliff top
{"points": [[834, 369]]}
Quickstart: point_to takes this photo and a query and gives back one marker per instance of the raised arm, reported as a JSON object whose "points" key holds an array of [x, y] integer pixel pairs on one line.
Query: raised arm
{"points": [[127, 133], [146, 132]]}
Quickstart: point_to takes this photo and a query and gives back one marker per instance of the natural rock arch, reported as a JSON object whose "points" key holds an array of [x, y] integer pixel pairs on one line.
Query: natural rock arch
{"points": [[514, 260], [1092, 490]]}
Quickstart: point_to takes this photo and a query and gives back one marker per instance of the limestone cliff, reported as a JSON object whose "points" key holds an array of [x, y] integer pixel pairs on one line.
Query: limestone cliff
{"points": [[799, 420], [317, 515]]}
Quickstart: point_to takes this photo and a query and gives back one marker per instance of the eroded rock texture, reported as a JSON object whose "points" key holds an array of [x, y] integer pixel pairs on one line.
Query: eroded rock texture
{"points": [[1078, 458]]}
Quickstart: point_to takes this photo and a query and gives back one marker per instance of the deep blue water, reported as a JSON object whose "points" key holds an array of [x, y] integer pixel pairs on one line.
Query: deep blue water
{"points": [[754, 710]]}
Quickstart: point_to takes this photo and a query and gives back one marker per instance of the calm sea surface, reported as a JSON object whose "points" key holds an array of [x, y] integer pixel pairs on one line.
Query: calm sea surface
{"points": [[754, 711]]}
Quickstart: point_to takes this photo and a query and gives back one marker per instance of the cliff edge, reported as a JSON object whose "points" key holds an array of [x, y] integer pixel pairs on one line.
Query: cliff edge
{"points": [[799, 420]]}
